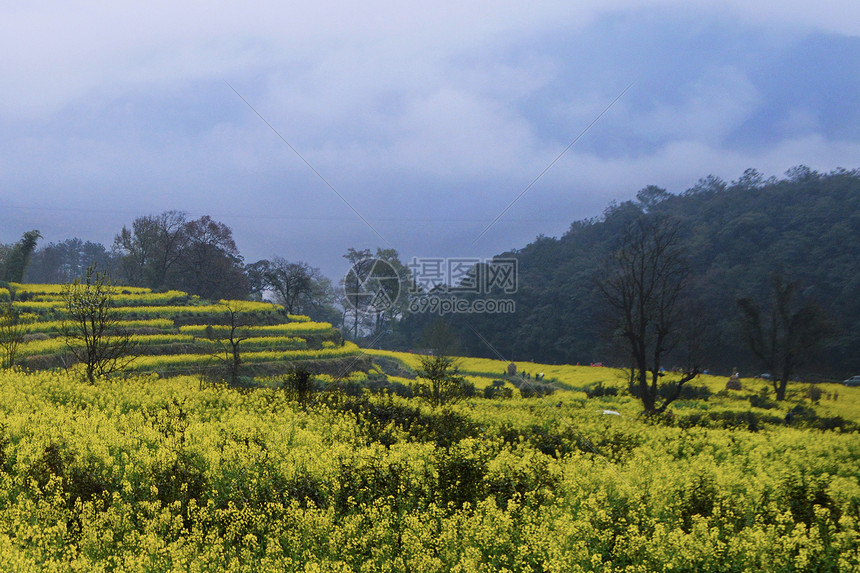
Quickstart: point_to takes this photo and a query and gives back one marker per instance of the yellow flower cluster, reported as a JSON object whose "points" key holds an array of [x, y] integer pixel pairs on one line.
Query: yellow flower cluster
{"points": [[174, 360], [56, 289], [55, 326], [290, 328]]}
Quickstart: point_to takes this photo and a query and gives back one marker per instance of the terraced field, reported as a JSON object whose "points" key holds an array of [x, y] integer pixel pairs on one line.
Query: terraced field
{"points": [[176, 333], [706, 401]]}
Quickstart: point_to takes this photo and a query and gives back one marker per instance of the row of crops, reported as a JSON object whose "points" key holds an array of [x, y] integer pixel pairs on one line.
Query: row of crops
{"points": [[173, 332]]}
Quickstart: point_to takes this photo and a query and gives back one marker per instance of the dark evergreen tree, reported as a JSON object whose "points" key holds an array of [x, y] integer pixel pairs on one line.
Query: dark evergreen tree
{"points": [[19, 256]]}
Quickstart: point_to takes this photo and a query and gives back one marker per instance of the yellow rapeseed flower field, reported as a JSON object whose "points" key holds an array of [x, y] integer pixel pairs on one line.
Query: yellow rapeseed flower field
{"points": [[350, 469], [143, 474]]}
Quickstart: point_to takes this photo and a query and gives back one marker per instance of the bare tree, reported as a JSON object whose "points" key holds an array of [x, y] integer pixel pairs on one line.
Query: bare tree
{"points": [[391, 278], [644, 288], [299, 287], [12, 330], [291, 282], [231, 339], [152, 248], [92, 328], [784, 335], [374, 291], [361, 265]]}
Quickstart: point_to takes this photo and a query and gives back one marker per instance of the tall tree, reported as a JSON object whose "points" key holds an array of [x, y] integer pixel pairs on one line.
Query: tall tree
{"points": [[4, 256], [151, 248], [320, 304], [782, 336], [644, 288], [290, 282], [256, 277], [392, 279], [210, 263], [355, 293], [440, 338], [651, 196], [19, 256], [299, 287]]}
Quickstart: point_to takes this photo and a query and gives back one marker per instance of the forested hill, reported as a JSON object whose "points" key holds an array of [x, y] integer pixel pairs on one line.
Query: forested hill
{"points": [[805, 227]]}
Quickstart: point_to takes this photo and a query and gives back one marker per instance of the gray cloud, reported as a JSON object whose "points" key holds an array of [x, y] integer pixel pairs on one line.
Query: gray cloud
{"points": [[429, 121]]}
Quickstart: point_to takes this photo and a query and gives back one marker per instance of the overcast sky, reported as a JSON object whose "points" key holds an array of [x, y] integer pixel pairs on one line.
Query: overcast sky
{"points": [[428, 119]]}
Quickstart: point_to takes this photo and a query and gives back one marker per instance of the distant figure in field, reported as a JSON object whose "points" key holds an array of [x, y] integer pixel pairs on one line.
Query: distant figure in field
{"points": [[734, 382]]}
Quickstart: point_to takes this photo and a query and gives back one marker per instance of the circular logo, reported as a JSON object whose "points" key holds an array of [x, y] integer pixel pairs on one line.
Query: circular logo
{"points": [[371, 286]]}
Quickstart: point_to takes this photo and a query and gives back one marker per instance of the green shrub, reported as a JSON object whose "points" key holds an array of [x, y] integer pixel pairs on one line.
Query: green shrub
{"points": [[800, 415], [695, 497], [307, 490], [534, 390], [762, 401], [360, 482], [802, 493], [181, 479], [299, 385], [461, 471], [498, 391], [599, 390]]}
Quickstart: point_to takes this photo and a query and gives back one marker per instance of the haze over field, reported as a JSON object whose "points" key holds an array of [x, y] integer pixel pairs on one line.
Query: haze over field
{"points": [[429, 120]]}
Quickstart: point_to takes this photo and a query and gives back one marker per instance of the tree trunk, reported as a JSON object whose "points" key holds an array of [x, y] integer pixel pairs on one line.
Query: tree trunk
{"points": [[780, 389], [648, 397], [236, 363]]}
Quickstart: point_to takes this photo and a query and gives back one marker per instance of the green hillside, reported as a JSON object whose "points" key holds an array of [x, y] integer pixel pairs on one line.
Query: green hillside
{"points": [[735, 237]]}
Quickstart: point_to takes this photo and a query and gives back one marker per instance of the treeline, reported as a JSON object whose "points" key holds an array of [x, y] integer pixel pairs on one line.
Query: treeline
{"points": [[169, 251], [737, 237]]}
